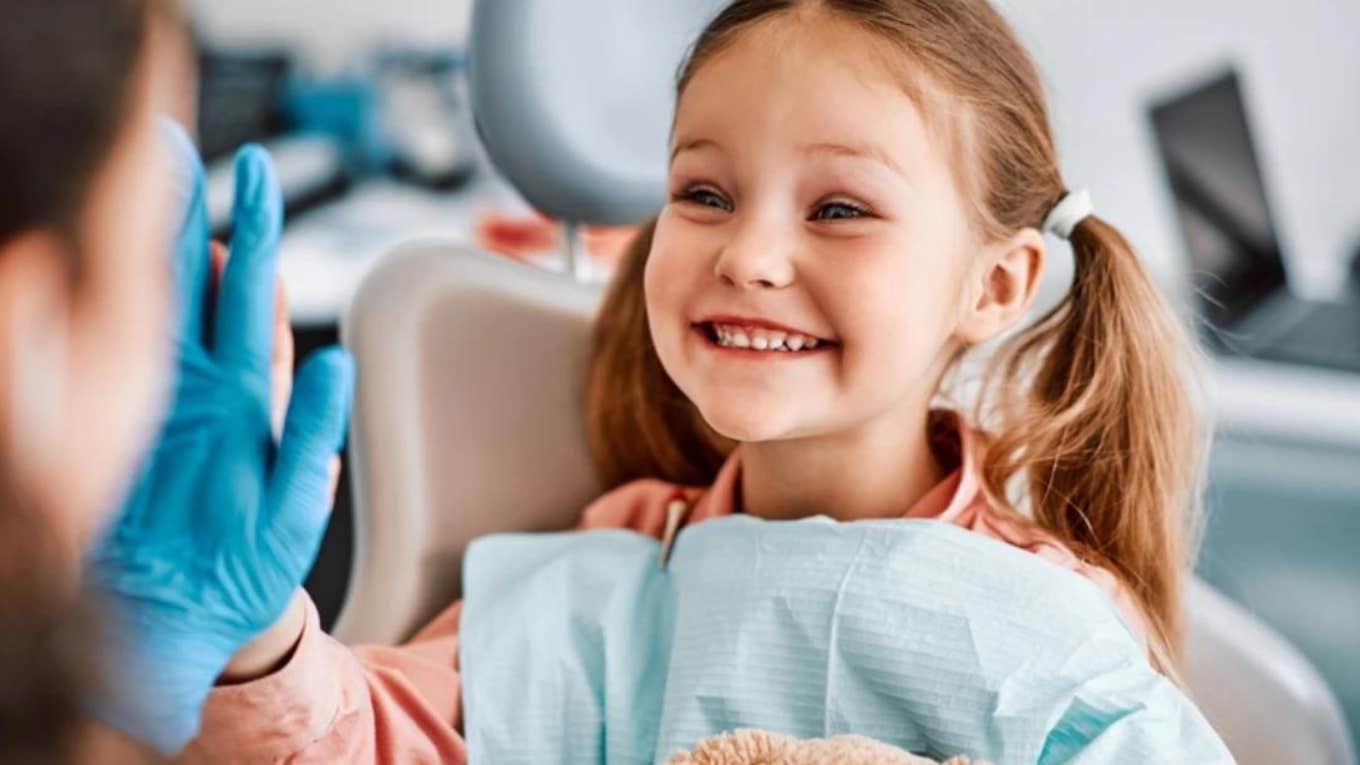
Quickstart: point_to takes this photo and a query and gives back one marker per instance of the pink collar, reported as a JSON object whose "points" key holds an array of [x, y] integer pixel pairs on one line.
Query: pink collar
{"points": [[950, 438]]}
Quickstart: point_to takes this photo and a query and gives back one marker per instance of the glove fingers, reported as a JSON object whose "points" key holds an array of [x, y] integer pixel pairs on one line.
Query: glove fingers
{"points": [[299, 488], [244, 332], [190, 255]]}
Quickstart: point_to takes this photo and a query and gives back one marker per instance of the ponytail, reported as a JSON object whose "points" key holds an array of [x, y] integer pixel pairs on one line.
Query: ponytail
{"points": [[1098, 416]]}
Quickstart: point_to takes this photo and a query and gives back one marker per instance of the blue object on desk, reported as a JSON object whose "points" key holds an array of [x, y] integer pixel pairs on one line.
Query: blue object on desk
{"points": [[344, 109]]}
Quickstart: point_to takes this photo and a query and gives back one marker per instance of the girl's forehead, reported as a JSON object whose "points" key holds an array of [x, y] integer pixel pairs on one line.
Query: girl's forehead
{"points": [[809, 84]]}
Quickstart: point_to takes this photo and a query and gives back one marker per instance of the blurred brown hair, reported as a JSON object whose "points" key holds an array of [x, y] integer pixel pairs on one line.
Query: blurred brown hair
{"points": [[1090, 415], [42, 669], [68, 70]]}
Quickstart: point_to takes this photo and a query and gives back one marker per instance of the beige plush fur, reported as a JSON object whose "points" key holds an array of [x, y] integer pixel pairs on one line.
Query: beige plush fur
{"points": [[758, 747]]}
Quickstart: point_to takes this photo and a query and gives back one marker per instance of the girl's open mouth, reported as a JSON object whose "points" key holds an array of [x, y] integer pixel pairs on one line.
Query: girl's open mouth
{"points": [[760, 342]]}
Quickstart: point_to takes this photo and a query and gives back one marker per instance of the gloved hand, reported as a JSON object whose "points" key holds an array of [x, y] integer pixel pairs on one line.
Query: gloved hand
{"points": [[223, 525]]}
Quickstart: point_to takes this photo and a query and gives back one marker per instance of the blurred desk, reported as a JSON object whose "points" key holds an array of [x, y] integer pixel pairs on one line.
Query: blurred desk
{"points": [[326, 253], [1286, 402]]}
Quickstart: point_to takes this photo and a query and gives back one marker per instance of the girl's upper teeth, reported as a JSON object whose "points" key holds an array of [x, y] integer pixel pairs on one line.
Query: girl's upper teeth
{"points": [[736, 336]]}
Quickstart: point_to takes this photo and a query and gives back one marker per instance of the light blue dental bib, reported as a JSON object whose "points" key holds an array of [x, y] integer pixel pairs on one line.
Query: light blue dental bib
{"points": [[576, 648]]}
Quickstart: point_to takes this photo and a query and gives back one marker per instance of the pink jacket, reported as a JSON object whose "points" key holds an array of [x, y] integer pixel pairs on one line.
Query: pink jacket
{"points": [[402, 704]]}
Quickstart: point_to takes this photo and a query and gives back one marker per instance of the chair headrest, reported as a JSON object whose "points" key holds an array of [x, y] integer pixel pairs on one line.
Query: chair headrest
{"points": [[573, 100]]}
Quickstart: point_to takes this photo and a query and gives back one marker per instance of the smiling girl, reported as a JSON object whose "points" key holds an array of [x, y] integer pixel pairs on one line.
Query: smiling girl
{"points": [[859, 191], [857, 194]]}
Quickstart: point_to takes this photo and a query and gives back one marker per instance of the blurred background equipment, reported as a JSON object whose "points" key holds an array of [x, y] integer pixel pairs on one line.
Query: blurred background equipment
{"points": [[1239, 276], [240, 93]]}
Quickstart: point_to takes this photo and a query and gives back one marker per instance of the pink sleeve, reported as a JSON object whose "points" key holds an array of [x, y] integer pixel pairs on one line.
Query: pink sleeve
{"points": [[333, 704]]}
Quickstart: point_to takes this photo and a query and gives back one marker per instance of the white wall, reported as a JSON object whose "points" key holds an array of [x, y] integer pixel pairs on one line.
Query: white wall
{"points": [[1300, 64], [329, 31], [1102, 62]]}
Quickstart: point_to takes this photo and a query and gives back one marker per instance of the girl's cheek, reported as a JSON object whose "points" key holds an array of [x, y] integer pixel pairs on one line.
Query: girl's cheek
{"points": [[669, 268], [874, 303], [664, 307], [653, 281]]}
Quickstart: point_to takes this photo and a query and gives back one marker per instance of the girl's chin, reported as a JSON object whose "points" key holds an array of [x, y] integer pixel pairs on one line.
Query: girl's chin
{"points": [[748, 424]]}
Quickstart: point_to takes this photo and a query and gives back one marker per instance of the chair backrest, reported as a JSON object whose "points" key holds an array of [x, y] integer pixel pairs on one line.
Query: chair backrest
{"points": [[468, 420]]}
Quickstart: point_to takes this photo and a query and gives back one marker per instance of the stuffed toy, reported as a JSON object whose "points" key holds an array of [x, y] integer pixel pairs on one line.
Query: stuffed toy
{"points": [[758, 747]]}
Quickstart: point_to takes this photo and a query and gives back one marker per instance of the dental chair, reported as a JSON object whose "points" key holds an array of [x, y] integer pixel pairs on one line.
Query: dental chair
{"points": [[468, 416], [468, 421]]}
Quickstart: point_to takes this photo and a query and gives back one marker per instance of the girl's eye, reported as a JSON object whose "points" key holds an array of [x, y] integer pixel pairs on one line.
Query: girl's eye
{"points": [[838, 211], [705, 197]]}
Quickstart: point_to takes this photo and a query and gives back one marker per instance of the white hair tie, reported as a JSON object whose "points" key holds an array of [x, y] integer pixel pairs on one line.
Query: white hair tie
{"points": [[1068, 212]]}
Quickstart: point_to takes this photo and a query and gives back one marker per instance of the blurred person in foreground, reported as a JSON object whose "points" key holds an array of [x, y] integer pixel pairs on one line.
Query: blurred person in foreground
{"points": [[142, 396]]}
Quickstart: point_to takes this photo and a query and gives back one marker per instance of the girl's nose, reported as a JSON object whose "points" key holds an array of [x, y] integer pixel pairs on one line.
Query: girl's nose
{"points": [[755, 258]]}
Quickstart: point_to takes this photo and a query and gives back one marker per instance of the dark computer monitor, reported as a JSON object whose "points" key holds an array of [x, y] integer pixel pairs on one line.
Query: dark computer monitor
{"points": [[1212, 169], [239, 95]]}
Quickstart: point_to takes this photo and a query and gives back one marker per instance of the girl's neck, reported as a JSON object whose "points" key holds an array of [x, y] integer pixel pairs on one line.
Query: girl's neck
{"points": [[877, 471]]}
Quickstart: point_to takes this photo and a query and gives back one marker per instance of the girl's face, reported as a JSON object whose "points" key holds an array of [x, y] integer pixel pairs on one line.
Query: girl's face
{"points": [[809, 208]]}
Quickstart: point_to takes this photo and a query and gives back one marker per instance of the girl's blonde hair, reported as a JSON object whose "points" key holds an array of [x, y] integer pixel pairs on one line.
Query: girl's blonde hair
{"points": [[1090, 412]]}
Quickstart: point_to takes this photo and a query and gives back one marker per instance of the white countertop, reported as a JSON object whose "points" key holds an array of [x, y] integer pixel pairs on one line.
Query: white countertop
{"points": [[1287, 401], [326, 253]]}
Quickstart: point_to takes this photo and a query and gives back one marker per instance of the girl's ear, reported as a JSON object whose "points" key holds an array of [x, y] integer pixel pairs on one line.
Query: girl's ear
{"points": [[1001, 286]]}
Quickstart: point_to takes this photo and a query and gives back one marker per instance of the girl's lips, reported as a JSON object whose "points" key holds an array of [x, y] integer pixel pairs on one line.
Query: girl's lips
{"points": [[708, 336], [757, 322]]}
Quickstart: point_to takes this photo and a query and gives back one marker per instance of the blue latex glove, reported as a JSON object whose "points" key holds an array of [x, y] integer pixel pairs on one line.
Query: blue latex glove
{"points": [[223, 525]]}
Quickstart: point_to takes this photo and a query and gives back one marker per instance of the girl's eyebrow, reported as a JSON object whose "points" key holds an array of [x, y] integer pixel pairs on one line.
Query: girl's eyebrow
{"points": [[856, 151], [694, 143]]}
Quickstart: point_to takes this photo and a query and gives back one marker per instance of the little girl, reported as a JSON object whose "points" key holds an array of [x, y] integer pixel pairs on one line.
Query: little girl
{"points": [[858, 195]]}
